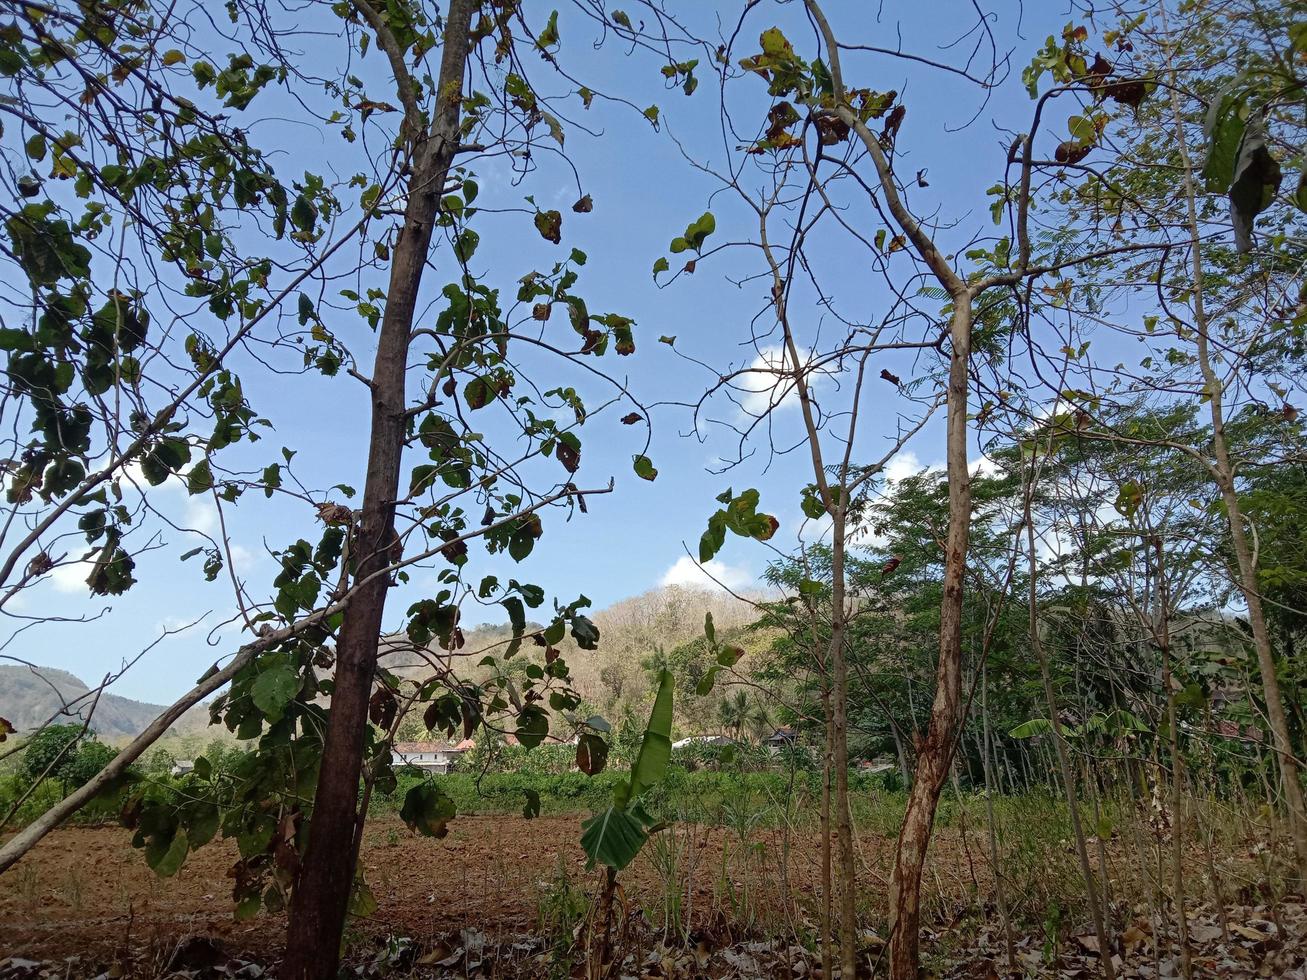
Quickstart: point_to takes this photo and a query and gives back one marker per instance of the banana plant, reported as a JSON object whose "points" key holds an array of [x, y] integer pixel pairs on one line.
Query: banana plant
{"points": [[1116, 722], [614, 836]]}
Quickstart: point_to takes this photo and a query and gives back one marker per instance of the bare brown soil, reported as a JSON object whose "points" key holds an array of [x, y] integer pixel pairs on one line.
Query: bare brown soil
{"points": [[86, 894], [87, 891]]}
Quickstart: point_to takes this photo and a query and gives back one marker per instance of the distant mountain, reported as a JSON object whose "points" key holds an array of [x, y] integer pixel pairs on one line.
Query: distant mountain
{"points": [[630, 631], [30, 697]]}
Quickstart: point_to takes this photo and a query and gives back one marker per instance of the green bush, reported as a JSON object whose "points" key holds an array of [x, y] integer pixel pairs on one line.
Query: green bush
{"points": [[699, 795]]}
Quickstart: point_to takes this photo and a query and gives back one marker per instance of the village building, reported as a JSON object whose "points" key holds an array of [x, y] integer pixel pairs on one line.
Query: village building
{"points": [[437, 757]]}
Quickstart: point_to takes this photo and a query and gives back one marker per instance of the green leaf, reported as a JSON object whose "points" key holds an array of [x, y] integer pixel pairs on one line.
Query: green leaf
{"points": [[204, 825], [480, 392], [531, 808], [775, 43], [532, 726], [548, 37], [1257, 177], [706, 682], [1129, 497], [612, 838], [200, 478], [695, 233], [303, 215], [273, 689], [585, 633], [1082, 129], [556, 131], [427, 810], [550, 225], [1224, 130], [644, 468], [362, 903], [465, 245], [656, 747], [709, 630], [660, 265], [171, 861], [1031, 728]]}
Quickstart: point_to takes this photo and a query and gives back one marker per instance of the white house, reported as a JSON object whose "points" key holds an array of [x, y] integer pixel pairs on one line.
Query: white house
{"points": [[783, 737], [714, 741], [439, 757]]}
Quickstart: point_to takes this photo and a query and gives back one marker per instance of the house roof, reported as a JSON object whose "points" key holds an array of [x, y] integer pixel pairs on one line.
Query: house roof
{"points": [[419, 748], [713, 740]]}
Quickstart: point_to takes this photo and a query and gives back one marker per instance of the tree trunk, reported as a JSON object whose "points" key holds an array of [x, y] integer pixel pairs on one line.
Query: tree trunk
{"points": [[901, 750], [1224, 473], [1000, 890], [840, 740], [1063, 756], [937, 748], [1177, 763], [322, 892], [826, 903]]}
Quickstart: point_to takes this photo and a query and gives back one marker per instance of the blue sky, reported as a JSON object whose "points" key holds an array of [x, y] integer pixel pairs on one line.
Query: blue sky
{"points": [[633, 539]]}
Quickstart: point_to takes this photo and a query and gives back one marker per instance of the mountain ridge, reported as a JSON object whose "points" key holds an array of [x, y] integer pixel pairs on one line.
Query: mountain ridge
{"points": [[31, 696]]}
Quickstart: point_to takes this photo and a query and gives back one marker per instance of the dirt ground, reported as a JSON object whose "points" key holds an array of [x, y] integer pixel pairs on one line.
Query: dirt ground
{"points": [[87, 891], [84, 902]]}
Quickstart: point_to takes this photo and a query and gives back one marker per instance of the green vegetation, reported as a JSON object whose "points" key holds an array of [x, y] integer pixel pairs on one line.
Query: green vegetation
{"points": [[1069, 647]]}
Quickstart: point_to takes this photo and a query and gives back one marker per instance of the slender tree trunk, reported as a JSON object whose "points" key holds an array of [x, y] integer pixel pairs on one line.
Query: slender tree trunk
{"points": [[1177, 764], [827, 939], [1063, 756], [936, 750], [1000, 891], [322, 892], [901, 750], [1224, 474], [840, 739], [600, 953]]}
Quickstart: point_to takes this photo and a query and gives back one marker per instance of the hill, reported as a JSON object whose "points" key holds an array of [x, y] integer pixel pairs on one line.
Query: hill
{"points": [[611, 677], [30, 697]]}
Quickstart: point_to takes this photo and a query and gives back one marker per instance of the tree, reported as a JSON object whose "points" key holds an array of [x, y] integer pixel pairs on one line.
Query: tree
{"points": [[1195, 184], [739, 712], [474, 437], [67, 753], [87, 762], [50, 751], [819, 160]]}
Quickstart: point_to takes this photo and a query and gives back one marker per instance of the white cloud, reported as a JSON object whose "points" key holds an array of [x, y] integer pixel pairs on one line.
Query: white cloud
{"points": [[201, 515], [902, 466], [689, 573], [243, 558], [768, 382], [71, 576], [759, 388], [984, 466]]}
